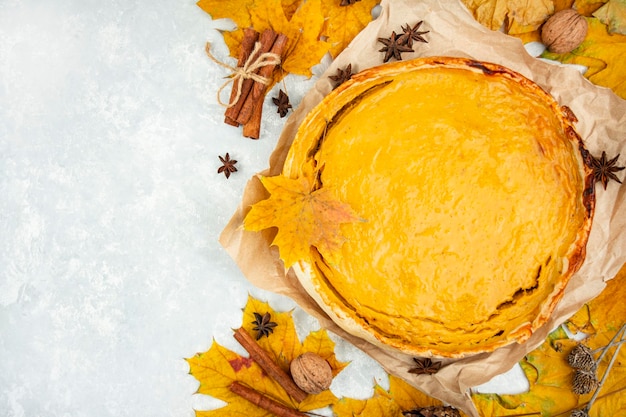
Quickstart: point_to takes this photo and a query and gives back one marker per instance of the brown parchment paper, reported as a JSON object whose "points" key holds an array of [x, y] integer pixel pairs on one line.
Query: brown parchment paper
{"points": [[454, 32]]}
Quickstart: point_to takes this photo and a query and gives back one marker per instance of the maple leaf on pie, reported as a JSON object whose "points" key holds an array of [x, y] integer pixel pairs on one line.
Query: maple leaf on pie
{"points": [[304, 218]]}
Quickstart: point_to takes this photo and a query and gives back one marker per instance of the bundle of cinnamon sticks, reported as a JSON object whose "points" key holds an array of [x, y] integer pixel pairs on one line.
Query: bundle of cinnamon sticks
{"points": [[248, 108]]}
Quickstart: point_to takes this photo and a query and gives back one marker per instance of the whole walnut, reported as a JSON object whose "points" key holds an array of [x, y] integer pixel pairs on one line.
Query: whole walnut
{"points": [[311, 373], [564, 31]]}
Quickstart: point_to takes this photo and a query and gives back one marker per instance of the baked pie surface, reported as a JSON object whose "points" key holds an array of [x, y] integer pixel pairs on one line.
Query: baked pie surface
{"points": [[475, 199]]}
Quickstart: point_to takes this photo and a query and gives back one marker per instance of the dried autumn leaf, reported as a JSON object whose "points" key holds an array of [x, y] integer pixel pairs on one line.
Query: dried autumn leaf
{"points": [[343, 23], [550, 378], [603, 54], [301, 21], [613, 14], [407, 396], [218, 367], [304, 48], [400, 397], [515, 15], [587, 7], [605, 317], [304, 218], [377, 406], [549, 374]]}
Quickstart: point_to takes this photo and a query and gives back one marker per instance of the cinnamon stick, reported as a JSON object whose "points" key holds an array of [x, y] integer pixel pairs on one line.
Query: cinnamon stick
{"points": [[270, 367], [255, 97], [267, 40], [252, 128], [250, 36], [263, 401]]}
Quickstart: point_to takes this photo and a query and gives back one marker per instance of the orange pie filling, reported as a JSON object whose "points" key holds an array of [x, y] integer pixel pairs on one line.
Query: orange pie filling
{"points": [[472, 189]]}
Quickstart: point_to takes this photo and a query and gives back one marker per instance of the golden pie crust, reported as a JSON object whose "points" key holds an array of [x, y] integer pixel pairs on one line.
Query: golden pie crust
{"points": [[476, 199]]}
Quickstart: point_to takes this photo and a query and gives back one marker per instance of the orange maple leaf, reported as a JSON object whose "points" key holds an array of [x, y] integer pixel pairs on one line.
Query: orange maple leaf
{"points": [[304, 217]]}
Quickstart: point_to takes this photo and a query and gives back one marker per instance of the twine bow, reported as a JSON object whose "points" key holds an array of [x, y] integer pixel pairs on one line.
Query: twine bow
{"points": [[245, 72]]}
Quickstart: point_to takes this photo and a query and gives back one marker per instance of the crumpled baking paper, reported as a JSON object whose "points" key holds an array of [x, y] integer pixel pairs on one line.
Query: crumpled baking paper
{"points": [[454, 32]]}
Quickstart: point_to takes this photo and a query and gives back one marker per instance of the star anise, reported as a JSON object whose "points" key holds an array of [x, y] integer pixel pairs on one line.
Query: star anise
{"points": [[603, 170], [262, 325], [228, 165], [425, 366], [282, 101], [347, 2], [412, 34], [342, 76], [393, 47]]}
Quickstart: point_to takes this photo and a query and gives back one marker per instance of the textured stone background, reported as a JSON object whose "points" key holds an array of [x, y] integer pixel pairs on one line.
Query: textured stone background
{"points": [[110, 209]]}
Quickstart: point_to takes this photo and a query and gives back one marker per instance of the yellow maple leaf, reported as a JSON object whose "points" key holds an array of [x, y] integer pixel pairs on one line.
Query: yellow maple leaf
{"points": [[218, 367], [400, 397], [603, 54], [550, 376], [377, 406], [304, 217], [514, 15], [343, 23], [304, 48], [301, 21]]}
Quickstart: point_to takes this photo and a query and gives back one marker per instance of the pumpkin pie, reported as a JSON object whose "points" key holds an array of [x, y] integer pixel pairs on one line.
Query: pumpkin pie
{"points": [[475, 197]]}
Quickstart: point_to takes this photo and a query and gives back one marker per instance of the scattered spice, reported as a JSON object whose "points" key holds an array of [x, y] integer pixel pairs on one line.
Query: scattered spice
{"points": [[343, 75], [425, 366], [433, 411], [263, 325], [228, 166], [603, 170], [347, 2], [393, 47], [413, 34], [282, 101]]}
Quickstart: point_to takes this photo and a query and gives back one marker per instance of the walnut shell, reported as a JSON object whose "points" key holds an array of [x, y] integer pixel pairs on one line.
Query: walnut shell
{"points": [[564, 31], [311, 373]]}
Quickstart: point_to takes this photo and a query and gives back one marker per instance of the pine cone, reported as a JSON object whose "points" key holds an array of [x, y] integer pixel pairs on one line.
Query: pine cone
{"points": [[584, 382], [581, 358], [433, 411]]}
